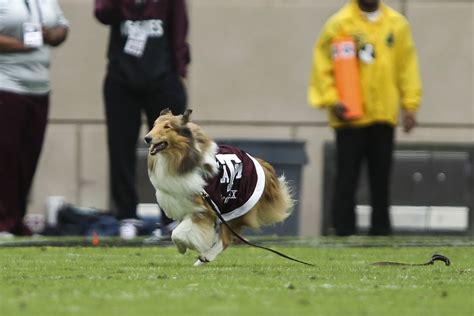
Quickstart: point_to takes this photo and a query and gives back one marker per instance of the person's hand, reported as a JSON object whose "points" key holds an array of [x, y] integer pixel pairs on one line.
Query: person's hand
{"points": [[10, 44], [48, 35], [22, 48], [409, 121], [338, 110], [54, 36]]}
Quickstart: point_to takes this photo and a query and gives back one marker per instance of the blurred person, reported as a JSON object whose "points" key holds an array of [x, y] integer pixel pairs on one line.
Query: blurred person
{"points": [[28, 29], [148, 55], [389, 78]]}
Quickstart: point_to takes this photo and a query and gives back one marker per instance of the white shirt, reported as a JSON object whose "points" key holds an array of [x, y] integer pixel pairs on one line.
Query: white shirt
{"points": [[371, 16], [27, 73]]}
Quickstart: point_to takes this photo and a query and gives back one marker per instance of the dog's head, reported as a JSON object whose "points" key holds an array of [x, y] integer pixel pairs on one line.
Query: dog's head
{"points": [[169, 133], [182, 142]]}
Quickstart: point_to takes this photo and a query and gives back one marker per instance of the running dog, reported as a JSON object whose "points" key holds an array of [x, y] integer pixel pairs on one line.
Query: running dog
{"points": [[184, 164]]}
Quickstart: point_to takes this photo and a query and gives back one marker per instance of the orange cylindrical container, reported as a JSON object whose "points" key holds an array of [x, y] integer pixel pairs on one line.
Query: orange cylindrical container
{"points": [[346, 73]]}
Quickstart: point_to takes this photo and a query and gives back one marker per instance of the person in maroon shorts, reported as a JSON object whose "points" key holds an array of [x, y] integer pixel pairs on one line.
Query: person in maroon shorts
{"points": [[27, 31]]}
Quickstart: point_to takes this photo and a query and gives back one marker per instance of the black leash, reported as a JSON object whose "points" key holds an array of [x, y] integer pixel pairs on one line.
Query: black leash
{"points": [[207, 198], [435, 257]]}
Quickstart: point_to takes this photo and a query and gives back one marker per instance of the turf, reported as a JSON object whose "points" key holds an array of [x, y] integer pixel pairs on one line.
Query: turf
{"points": [[243, 281]]}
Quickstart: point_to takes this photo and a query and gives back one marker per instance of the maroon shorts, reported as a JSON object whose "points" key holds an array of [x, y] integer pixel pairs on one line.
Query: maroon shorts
{"points": [[23, 121]]}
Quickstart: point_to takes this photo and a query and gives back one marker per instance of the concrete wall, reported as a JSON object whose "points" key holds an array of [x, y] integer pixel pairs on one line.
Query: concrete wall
{"points": [[251, 62]]}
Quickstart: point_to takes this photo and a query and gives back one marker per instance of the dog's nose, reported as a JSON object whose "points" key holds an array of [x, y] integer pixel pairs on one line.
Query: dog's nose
{"points": [[148, 139]]}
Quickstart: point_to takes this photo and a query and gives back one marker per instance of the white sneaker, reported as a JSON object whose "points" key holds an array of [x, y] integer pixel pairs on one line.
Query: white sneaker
{"points": [[129, 228], [161, 235], [5, 234]]}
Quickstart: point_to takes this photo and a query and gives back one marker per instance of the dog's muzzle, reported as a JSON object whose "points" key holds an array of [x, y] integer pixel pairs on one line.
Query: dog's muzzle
{"points": [[156, 148]]}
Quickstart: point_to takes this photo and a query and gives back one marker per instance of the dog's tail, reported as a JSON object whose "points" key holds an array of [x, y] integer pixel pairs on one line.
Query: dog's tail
{"points": [[286, 194], [276, 203]]}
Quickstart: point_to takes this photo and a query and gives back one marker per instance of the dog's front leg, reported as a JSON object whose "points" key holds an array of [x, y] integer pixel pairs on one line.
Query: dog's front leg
{"points": [[179, 235], [194, 232], [211, 254], [224, 238]]}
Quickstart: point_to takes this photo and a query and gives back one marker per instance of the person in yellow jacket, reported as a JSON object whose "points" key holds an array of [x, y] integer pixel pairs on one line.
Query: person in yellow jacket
{"points": [[389, 79]]}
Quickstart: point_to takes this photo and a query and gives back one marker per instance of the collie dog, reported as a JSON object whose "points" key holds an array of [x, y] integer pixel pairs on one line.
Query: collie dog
{"points": [[184, 163]]}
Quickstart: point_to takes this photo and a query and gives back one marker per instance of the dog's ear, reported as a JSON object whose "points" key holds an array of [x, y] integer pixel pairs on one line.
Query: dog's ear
{"points": [[186, 116], [185, 131], [165, 111]]}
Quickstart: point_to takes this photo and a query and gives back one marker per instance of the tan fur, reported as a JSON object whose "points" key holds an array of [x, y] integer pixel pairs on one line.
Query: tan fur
{"points": [[275, 204], [167, 128], [207, 219], [187, 150]]}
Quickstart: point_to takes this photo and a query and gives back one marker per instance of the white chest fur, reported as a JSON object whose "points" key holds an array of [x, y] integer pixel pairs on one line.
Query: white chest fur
{"points": [[174, 193]]}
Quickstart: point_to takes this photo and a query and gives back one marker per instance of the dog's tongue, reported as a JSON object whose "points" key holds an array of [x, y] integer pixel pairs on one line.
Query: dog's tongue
{"points": [[154, 149]]}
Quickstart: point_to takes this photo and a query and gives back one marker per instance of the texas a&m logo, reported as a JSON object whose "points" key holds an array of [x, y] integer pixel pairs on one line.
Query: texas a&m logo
{"points": [[231, 170]]}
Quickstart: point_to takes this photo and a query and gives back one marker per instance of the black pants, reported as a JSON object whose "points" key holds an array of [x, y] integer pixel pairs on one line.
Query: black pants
{"points": [[374, 144], [124, 105]]}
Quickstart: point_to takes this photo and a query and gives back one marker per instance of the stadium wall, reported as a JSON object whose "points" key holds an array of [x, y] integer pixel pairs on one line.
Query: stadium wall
{"points": [[248, 79]]}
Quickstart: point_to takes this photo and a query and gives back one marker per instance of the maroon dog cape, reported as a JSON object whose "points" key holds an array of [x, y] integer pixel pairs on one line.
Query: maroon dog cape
{"points": [[238, 185]]}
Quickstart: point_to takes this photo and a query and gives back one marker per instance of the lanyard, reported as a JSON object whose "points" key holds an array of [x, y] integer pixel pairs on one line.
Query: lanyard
{"points": [[38, 8]]}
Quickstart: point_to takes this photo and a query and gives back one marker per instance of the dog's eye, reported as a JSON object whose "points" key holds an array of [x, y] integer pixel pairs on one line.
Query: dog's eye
{"points": [[167, 126]]}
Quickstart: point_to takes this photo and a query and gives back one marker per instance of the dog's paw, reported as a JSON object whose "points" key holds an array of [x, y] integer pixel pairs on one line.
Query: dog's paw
{"points": [[200, 262], [179, 242], [181, 247]]}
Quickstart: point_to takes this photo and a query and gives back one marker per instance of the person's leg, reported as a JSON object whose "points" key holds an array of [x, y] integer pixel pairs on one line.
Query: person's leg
{"points": [[13, 111], [167, 92], [350, 151], [379, 160], [123, 115], [34, 130]]}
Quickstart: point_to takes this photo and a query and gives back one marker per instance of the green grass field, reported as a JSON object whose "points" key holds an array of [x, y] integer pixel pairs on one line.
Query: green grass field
{"points": [[243, 281]]}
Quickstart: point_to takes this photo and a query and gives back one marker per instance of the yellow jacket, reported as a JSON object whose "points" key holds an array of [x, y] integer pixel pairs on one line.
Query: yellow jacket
{"points": [[390, 80]]}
